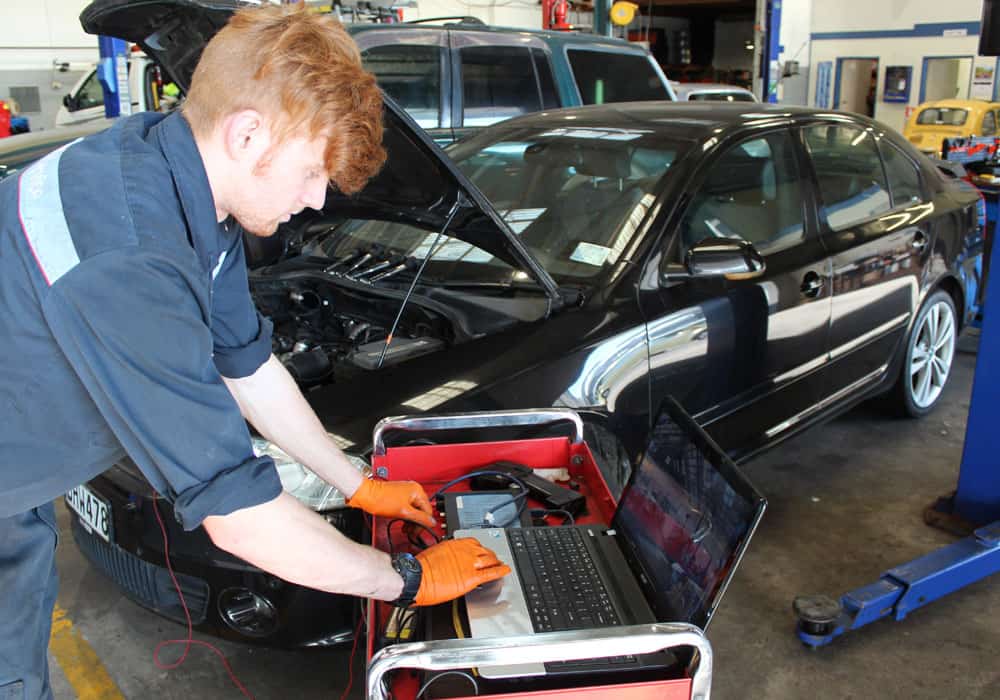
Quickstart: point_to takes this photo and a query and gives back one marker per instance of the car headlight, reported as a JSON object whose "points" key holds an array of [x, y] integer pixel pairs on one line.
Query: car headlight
{"points": [[302, 482]]}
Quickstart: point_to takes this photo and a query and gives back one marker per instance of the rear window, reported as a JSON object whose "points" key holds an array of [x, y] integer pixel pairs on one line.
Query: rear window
{"points": [[720, 97], [943, 116], [604, 77]]}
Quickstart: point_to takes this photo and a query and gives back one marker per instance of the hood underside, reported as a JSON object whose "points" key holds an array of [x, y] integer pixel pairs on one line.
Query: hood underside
{"points": [[419, 185]]}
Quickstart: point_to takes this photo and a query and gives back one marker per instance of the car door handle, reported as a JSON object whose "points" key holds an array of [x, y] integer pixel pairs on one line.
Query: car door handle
{"points": [[919, 241], [812, 284]]}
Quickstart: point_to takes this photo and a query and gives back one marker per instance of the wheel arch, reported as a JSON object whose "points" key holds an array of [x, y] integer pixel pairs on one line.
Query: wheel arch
{"points": [[953, 287]]}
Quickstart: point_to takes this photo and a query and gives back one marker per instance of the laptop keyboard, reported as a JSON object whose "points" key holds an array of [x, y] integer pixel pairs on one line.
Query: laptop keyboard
{"points": [[561, 583]]}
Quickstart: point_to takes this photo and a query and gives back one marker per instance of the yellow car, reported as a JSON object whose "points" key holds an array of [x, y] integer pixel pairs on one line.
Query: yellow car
{"points": [[932, 122]]}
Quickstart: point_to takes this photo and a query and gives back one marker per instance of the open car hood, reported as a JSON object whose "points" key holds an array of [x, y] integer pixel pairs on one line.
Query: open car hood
{"points": [[419, 185]]}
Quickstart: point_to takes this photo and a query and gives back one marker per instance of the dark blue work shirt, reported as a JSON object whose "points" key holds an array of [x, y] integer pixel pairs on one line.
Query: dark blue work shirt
{"points": [[123, 302]]}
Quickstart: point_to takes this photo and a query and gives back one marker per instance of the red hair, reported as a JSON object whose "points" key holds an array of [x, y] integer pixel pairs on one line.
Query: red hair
{"points": [[302, 71]]}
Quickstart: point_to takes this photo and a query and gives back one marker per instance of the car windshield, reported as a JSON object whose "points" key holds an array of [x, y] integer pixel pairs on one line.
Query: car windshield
{"points": [[576, 197], [943, 116]]}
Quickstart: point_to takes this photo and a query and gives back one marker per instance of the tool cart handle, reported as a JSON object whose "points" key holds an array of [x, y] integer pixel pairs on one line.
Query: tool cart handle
{"points": [[476, 419], [549, 646]]}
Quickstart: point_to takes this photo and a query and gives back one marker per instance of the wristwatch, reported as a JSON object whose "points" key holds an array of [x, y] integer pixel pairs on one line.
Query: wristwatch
{"points": [[408, 567]]}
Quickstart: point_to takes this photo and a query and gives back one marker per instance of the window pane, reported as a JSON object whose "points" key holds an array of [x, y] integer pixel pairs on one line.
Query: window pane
{"points": [[550, 98], [612, 77], [947, 116], [751, 193], [411, 75], [904, 179], [989, 124], [851, 182], [578, 197], [498, 82], [91, 94]]}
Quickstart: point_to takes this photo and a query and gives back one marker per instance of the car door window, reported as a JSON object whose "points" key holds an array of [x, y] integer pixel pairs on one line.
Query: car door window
{"points": [[904, 178], [546, 81], [604, 77], [411, 75], [849, 172], [498, 82], [91, 93], [751, 192], [989, 124]]}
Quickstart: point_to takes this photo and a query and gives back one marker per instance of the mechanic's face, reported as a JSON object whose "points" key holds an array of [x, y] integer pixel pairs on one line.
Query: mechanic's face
{"points": [[294, 178]]}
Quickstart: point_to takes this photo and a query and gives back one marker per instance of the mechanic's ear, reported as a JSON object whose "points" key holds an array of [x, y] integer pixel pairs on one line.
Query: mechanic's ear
{"points": [[247, 136]]}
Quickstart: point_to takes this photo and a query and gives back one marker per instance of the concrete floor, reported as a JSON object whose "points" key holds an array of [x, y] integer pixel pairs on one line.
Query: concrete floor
{"points": [[845, 505]]}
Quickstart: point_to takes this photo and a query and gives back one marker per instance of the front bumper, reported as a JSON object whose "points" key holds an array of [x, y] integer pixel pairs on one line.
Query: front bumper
{"points": [[225, 596]]}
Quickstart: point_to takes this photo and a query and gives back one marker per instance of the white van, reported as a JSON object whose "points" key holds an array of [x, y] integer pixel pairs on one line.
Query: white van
{"points": [[85, 102]]}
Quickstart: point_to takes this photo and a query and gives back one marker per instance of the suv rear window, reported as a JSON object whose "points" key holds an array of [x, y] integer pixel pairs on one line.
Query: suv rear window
{"points": [[411, 75], [943, 115], [720, 97], [498, 82], [599, 76]]}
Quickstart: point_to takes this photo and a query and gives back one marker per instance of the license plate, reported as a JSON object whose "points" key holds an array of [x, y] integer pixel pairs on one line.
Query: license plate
{"points": [[94, 511]]}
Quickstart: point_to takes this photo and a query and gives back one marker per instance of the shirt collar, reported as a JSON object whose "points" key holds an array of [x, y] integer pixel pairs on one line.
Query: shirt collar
{"points": [[177, 143]]}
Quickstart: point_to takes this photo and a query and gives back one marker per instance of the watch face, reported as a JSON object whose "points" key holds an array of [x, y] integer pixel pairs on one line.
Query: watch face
{"points": [[407, 562]]}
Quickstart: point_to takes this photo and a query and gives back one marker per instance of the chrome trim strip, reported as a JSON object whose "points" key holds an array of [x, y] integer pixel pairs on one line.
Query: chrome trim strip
{"points": [[476, 419], [802, 369], [549, 646], [870, 335], [821, 405]]}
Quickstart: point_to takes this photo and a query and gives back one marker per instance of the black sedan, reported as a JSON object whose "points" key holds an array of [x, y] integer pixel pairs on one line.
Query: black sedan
{"points": [[769, 267]]}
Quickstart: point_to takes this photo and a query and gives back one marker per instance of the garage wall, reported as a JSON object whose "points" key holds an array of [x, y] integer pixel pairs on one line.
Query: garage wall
{"points": [[46, 31], [505, 13], [897, 33], [793, 38]]}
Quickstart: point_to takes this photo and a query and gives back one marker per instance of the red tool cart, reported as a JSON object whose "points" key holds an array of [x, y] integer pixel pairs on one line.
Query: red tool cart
{"points": [[434, 450]]}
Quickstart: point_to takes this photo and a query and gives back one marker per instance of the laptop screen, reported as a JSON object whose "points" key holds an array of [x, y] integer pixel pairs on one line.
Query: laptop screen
{"points": [[684, 519]]}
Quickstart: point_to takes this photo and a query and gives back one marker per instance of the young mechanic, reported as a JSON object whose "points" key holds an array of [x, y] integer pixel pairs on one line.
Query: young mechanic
{"points": [[130, 329]]}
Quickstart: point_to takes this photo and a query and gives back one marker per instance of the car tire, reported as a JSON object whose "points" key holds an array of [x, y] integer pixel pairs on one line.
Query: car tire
{"points": [[929, 355]]}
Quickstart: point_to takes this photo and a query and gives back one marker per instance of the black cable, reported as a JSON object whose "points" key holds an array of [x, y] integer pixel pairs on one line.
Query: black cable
{"points": [[482, 472], [388, 536], [569, 519]]}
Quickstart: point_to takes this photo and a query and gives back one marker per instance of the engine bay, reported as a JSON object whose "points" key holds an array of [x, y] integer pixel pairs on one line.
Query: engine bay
{"points": [[325, 331]]}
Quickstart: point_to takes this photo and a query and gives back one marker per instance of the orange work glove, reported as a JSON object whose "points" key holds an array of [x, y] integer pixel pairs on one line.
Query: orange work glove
{"points": [[453, 568], [394, 499]]}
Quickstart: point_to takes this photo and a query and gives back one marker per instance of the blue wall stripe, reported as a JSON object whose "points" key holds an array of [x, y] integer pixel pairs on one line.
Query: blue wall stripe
{"points": [[919, 30]]}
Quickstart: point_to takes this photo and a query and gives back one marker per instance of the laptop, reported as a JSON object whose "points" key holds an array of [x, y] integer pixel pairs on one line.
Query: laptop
{"points": [[684, 519]]}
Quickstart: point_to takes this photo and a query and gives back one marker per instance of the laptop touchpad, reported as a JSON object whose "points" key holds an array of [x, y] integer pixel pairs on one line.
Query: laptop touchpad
{"points": [[499, 609]]}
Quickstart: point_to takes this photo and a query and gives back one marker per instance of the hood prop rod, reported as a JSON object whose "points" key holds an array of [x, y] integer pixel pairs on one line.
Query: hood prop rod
{"points": [[459, 201]]}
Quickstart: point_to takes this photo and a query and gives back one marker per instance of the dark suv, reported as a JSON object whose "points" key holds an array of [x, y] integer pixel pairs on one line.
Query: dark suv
{"points": [[456, 77]]}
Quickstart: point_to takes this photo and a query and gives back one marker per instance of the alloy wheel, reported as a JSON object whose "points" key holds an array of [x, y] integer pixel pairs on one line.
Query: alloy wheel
{"points": [[932, 354]]}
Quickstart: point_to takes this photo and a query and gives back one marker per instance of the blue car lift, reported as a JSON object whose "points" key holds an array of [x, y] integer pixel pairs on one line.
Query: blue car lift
{"points": [[974, 507], [112, 72]]}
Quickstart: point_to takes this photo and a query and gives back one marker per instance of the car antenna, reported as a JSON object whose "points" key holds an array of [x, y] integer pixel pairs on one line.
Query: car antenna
{"points": [[430, 251]]}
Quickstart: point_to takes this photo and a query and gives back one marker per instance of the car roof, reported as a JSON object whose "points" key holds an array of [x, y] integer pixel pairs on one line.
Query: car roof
{"points": [[679, 120], [551, 37], [974, 105]]}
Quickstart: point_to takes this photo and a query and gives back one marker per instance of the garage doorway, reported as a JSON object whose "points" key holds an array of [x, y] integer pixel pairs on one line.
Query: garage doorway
{"points": [[857, 83], [946, 78]]}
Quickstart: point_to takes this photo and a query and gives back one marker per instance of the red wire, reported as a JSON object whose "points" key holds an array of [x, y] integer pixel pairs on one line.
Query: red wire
{"points": [[187, 616], [350, 664]]}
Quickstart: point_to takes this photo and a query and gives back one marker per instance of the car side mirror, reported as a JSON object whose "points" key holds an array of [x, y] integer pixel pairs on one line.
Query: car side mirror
{"points": [[731, 258], [69, 103]]}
